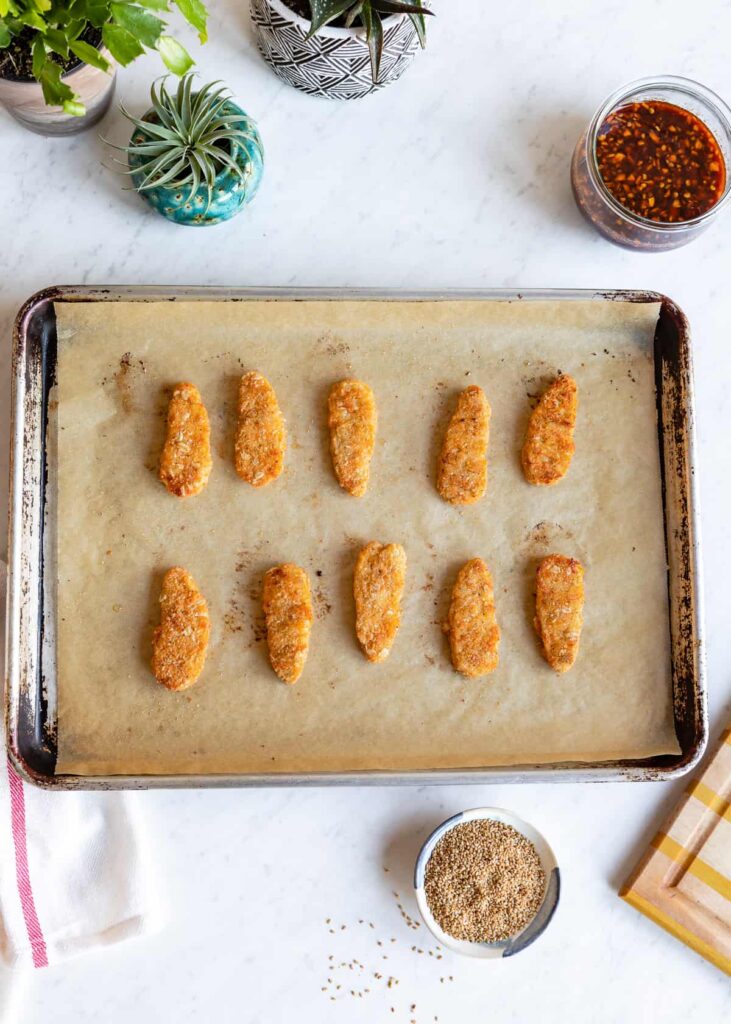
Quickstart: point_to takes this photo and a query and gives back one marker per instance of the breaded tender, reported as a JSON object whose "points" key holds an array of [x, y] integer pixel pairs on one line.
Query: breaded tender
{"points": [[352, 419], [462, 474], [261, 439], [559, 604], [185, 463], [378, 585], [549, 440], [474, 635], [288, 613], [180, 642]]}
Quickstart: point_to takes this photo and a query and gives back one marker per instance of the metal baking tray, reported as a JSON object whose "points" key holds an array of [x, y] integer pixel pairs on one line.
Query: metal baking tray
{"points": [[30, 678]]}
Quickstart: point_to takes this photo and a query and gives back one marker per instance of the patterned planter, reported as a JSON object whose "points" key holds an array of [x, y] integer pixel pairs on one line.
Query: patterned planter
{"points": [[334, 63], [230, 193], [23, 98]]}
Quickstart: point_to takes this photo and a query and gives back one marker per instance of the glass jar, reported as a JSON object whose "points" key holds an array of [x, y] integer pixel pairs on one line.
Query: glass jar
{"points": [[607, 214]]}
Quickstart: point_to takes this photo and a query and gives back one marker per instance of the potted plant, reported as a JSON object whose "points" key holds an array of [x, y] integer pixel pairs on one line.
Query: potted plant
{"points": [[57, 56], [341, 49], [196, 157]]}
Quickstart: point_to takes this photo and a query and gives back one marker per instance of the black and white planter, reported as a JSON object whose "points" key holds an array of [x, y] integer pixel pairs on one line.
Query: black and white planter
{"points": [[335, 62]]}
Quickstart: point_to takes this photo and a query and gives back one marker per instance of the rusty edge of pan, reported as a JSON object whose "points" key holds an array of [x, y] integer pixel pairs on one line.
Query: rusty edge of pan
{"points": [[29, 725]]}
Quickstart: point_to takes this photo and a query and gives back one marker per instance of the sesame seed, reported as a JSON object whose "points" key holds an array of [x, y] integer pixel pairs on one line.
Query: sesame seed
{"points": [[484, 882]]}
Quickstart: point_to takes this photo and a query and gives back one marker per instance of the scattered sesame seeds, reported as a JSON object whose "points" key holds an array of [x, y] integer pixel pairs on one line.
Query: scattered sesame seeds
{"points": [[360, 972]]}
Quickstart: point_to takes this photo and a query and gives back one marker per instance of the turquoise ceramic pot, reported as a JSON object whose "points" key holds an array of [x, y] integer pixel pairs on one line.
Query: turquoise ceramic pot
{"points": [[230, 194]]}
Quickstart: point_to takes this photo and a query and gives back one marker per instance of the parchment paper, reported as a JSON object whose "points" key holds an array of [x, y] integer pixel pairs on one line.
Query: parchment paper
{"points": [[119, 530]]}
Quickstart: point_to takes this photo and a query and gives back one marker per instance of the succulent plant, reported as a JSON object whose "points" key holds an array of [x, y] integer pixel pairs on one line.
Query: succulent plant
{"points": [[56, 32], [187, 138], [370, 13]]}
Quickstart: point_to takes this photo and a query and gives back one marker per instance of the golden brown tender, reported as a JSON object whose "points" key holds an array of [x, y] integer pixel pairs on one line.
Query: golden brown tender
{"points": [[378, 585], [352, 419], [462, 474], [185, 463], [180, 642], [474, 634], [261, 439], [559, 605], [288, 613], [549, 440]]}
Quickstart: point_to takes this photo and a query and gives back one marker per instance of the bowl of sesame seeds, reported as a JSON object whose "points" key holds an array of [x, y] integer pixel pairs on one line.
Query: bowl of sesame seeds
{"points": [[487, 883]]}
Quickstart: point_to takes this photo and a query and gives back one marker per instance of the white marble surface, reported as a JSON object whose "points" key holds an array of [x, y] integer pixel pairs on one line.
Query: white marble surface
{"points": [[457, 176]]}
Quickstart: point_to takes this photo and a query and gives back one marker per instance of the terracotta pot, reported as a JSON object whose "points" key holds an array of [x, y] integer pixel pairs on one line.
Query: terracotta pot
{"points": [[23, 98], [335, 62]]}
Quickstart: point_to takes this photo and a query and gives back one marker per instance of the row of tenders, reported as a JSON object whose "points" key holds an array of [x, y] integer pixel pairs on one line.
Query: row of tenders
{"points": [[261, 438], [181, 640]]}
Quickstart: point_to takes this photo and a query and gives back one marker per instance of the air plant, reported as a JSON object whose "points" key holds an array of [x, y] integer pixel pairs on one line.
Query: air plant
{"points": [[188, 138], [370, 13]]}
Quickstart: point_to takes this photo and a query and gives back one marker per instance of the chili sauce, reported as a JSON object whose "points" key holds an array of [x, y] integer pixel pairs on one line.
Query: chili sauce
{"points": [[660, 161]]}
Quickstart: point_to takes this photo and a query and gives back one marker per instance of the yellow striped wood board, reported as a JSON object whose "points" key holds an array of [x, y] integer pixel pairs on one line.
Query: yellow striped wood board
{"points": [[683, 882]]}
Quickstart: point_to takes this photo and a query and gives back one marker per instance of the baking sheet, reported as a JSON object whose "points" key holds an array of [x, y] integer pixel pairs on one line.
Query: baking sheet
{"points": [[119, 531]]}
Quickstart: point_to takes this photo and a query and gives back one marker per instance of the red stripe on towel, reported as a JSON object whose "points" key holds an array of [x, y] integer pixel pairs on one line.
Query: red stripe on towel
{"points": [[25, 890]]}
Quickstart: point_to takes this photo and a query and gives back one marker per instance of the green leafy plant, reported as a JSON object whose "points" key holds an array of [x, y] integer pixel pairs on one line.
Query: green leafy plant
{"points": [[370, 14], [187, 138], [126, 27]]}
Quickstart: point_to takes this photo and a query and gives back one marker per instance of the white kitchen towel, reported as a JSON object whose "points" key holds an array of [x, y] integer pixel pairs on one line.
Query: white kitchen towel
{"points": [[12, 986], [74, 874]]}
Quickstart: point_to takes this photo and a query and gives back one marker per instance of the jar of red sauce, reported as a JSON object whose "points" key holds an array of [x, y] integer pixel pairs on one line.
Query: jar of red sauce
{"points": [[653, 169]]}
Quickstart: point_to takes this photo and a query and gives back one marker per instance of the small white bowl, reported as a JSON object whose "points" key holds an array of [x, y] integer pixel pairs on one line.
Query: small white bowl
{"points": [[534, 928]]}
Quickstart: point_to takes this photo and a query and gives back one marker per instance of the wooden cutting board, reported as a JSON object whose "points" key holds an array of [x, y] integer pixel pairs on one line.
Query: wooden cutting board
{"points": [[683, 882]]}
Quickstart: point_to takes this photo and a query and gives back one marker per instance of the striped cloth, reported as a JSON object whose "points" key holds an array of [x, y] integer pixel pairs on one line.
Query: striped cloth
{"points": [[73, 871], [683, 882]]}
